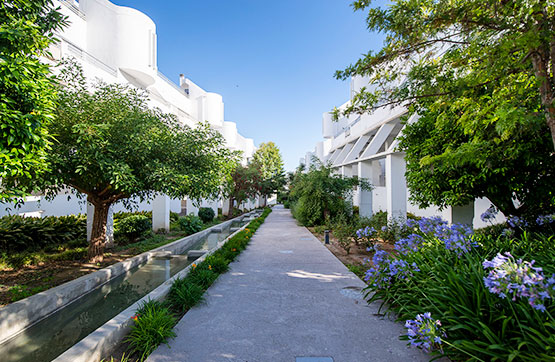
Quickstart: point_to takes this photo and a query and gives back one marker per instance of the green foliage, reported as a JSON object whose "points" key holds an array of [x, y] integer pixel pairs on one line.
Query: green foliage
{"points": [[153, 326], [133, 226], [267, 159], [478, 75], [26, 91], [190, 224], [206, 214], [320, 193], [185, 294], [18, 234], [244, 183], [118, 216], [202, 276], [112, 147], [479, 324], [217, 263]]}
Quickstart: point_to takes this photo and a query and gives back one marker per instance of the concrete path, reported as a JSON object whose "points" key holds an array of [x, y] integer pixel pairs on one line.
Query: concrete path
{"points": [[286, 297]]}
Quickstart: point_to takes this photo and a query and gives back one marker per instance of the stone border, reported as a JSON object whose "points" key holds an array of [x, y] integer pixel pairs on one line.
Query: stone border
{"points": [[17, 316], [102, 341]]}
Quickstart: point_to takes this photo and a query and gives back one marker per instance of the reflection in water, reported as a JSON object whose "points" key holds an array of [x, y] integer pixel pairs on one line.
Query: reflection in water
{"points": [[50, 337]]}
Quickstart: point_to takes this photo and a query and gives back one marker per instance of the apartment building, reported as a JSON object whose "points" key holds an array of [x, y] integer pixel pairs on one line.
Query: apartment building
{"points": [[366, 146]]}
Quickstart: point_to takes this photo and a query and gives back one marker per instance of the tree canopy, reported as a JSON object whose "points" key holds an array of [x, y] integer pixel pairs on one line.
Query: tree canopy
{"points": [[267, 159], [479, 73], [26, 89], [320, 193], [110, 146]]}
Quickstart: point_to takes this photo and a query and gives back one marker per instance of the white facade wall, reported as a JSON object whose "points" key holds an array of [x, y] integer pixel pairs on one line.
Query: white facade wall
{"points": [[118, 44], [372, 137]]}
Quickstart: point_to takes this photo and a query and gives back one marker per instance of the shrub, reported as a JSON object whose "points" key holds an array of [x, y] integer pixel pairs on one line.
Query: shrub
{"points": [[190, 224], [202, 277], [218, 263], [206, 214], [440, 269], [153, 326], [132, 227], [19, 233], [184, 294]]}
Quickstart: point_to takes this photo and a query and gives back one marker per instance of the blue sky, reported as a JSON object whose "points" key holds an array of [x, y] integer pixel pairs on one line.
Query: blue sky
{"points": [[272, 61]]}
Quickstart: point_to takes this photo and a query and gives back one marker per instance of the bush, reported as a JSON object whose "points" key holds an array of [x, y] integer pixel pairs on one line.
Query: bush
{"points": [[18, 234], [132, 227], [206, 214], [153, 326], [202, 276], [118, 216], [441, 269], [190, 224], [184, 294]]}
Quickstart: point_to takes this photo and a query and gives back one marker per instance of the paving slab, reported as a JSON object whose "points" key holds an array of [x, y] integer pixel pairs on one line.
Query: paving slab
{"points": [[286, 298]]}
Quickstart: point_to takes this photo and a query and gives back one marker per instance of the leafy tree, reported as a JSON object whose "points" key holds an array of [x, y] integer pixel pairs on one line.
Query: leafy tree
{"points": [[243, 184], [26, 89], [447, 48], [319, 194], [111, 147], [267, 159], [480, 76]]}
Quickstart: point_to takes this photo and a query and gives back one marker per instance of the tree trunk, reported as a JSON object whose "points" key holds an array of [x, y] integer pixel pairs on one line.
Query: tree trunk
{"points": [[540, 61], [98, 234], [230, 210]]}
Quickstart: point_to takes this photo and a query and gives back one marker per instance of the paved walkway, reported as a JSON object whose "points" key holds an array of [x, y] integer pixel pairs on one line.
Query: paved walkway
{"points": [[286, 297]]}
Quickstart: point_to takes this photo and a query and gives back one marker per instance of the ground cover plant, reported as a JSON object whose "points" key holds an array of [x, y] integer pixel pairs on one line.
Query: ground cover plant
{"points": [[185, 293], [471, 296]]}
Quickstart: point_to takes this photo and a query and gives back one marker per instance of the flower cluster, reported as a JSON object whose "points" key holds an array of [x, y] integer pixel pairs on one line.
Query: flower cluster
{"points": [[518, 278], [365, 232], [427, 225], [409, 244], [425, 332], [457, 237], [545, 219], [516, 222], [386, 268], [489, 214]]}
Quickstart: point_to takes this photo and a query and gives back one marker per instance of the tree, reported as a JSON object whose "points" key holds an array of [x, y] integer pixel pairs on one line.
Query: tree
{"points": [[267, 159], [472, 71], [319, 194], [26, 89], [111, 147], [447, 48], [244, 183]]}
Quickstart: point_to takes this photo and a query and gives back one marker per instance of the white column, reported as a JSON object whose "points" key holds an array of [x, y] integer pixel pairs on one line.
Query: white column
{"points": [[225, 207], [461, 214], [396, 186], [365, 171], [161, 213]]}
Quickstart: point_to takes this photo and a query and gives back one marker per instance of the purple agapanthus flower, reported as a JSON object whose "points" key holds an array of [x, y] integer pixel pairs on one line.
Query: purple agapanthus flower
{"points": [[489, 214], [545, 219], [425, 332], [518, 279]]}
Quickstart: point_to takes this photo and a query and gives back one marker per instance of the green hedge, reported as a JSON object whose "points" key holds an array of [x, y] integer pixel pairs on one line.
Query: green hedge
{"points": [[19, 233]]}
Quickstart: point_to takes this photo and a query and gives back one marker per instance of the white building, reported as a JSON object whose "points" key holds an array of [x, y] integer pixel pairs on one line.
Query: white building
{"points": [[118, 44], [365, 146]]}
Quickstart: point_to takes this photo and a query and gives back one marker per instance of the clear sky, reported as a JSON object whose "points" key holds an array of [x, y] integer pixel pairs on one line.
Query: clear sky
{"points": [[272, 61]]}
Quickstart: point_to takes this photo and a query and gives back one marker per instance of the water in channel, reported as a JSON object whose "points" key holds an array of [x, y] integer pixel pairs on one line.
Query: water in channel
{"points": [[50, 337]]}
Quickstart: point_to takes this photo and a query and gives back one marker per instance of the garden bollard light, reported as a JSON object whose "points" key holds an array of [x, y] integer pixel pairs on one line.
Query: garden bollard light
{"points": [[327, 236]]}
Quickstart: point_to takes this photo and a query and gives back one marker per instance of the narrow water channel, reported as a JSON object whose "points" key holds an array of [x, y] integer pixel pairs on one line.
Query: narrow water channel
{"points": [[52, 336]]}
